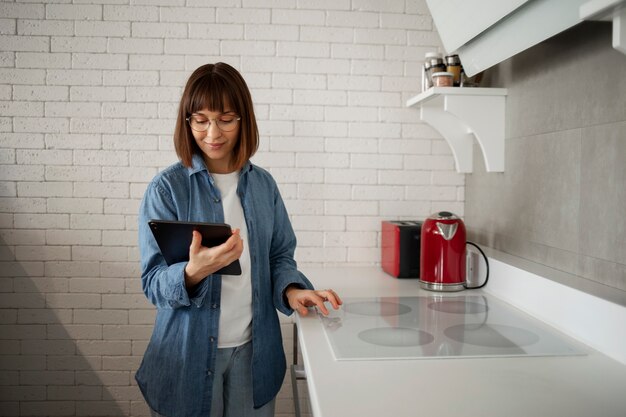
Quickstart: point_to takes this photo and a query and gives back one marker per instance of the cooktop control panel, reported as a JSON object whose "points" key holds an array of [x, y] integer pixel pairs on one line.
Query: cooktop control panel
{"points": [[439, 326]]}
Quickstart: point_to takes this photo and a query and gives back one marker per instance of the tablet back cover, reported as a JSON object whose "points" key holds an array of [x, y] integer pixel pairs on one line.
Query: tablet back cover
{"points": [[174, 238]]}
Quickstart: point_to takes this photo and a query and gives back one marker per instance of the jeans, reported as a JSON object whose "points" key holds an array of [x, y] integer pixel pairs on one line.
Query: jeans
{"points": [[232, 385]]}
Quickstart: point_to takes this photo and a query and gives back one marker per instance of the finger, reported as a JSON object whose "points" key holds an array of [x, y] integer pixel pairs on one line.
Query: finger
{"points": [[235, 238], [302, 310], [330, 296], [233, 241], [196, 242], [237, 249], [239, 242], [319, 302], [334, 299]]}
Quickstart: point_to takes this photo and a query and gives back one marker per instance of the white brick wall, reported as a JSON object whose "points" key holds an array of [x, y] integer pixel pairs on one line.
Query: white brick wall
{"points": [[88, 96]]}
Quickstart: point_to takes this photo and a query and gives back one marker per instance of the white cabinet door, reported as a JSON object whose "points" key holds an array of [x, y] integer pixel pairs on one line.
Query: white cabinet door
{"points": [[486, 32], [458, 21], [531, 24]]}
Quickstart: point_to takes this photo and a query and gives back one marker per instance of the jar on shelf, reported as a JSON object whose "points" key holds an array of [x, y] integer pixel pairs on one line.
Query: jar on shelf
{"points": [[453, 65], [436, 65], [443, 79], [473, 81], [426, 81]]}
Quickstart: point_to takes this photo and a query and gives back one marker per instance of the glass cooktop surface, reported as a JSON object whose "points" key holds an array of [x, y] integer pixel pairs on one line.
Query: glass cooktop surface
{"points": [[439, 326]]}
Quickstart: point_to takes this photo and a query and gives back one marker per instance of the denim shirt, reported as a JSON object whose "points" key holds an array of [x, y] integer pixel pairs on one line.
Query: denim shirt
{"points": [[176, 373]]}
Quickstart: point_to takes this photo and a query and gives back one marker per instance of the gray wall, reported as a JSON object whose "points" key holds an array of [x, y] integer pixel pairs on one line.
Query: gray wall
{"points": [[561, 201]]}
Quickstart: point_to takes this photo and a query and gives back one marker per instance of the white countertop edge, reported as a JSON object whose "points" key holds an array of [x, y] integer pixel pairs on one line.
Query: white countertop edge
{"points": [[594, 320], [311, 386]]}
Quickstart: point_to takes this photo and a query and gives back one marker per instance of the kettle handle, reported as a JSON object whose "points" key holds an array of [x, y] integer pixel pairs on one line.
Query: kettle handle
{"points": [[486, 263]]}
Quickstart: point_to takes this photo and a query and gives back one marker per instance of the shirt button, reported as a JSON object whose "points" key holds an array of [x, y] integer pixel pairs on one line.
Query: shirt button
{"points": [[217, 200], [209, 373], [212, 339], [214, 306]]}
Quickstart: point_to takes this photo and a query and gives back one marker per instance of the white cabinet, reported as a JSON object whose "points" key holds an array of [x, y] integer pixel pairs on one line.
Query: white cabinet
{"points": [[461, 20], [524, 26]]}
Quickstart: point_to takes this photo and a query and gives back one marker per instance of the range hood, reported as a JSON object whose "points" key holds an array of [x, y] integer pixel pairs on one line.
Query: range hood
{"points": [[486, 32]]}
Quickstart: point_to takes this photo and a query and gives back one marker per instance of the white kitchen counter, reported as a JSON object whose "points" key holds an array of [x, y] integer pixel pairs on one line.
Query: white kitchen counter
{"points": [[567, 386]]}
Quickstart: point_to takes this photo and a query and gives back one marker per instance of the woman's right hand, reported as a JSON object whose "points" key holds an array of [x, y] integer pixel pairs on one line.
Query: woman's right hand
{"points": [[204, 261]]}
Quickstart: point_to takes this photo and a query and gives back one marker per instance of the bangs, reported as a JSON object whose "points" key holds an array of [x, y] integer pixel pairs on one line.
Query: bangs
{"points": [[211, 93]]}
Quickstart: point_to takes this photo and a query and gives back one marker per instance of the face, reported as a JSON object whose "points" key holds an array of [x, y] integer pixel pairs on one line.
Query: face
{"points": [[216, 145]]}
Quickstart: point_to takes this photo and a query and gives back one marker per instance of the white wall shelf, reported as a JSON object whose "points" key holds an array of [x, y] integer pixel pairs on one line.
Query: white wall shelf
{"points": [[608, 10], [459, 114]]}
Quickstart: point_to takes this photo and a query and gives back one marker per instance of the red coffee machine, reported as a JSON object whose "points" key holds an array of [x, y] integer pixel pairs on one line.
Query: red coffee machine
{"points": [[442, 254]]}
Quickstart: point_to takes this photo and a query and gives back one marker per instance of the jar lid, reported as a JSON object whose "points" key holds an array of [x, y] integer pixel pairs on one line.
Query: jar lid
{"points": [[453, 59], [432, 55], [443, 74]]}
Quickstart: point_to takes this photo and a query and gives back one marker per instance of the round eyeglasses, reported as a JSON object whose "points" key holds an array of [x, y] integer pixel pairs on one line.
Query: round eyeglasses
{"points": [[225, 122]]}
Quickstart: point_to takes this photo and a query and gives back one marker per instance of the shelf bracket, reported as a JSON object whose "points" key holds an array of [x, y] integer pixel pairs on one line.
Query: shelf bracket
{"points": [[455, 133], [458, 118]]}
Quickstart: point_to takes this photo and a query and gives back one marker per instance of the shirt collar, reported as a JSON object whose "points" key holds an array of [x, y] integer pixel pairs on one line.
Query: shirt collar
{"points": [[197, 165]]}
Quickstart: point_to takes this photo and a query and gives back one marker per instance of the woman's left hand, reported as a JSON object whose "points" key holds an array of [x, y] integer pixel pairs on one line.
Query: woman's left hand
{"points": [[300, 299]]}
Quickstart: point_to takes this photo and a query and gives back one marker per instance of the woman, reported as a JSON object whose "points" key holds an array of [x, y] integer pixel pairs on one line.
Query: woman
{"points": [[216, 348]]}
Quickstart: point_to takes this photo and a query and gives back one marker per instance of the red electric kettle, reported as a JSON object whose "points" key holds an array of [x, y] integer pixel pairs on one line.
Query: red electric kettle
{"points": [[443, 254]]}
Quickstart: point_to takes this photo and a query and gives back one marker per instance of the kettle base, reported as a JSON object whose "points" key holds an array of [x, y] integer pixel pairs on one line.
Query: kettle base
{"points": [[432, 286]]}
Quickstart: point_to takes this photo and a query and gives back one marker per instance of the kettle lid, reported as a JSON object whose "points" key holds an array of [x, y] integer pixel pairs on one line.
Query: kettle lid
{"points": [[444, 215]]}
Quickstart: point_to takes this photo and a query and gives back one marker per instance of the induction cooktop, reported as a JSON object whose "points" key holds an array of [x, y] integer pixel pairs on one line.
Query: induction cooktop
{"points": [[439, 326]]}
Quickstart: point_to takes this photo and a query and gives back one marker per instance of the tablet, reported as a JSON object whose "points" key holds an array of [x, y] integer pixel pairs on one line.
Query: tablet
{"points": [[174, 238]]}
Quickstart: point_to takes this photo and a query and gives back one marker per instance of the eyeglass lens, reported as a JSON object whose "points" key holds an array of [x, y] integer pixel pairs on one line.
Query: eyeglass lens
{"points": [[225, 122]]}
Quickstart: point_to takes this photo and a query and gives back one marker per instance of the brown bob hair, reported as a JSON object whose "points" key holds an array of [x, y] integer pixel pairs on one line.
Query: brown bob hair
{"points": [[212, 87]]}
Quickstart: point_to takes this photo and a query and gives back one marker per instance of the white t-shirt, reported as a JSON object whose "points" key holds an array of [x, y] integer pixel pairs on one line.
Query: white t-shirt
{"points": [[236, 305]]}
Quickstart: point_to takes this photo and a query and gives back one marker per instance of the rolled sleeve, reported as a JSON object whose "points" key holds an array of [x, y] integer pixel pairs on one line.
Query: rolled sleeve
{"points": [[280, 300], [163, 285]]}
